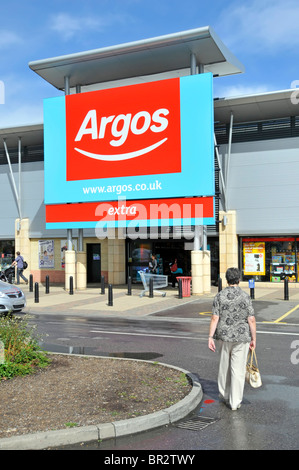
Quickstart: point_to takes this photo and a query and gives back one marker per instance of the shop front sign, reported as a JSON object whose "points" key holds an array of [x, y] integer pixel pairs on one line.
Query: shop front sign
{"points": [[132, 214], [139, 142], [127, 131]]}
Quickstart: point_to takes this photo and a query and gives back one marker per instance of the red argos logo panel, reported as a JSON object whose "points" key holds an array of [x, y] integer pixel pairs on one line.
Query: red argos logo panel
{"points": [[127, 131]]}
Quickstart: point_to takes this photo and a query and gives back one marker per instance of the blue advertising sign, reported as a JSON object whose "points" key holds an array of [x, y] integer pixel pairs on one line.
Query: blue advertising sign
{"points": [[145, 141]]}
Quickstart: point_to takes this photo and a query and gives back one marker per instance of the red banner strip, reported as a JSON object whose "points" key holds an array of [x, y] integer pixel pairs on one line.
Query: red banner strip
{"points": [[145, 209]]}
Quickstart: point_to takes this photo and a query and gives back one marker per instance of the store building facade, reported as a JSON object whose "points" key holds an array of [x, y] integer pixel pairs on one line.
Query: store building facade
{"points": [[258, 138], [248, 216]]}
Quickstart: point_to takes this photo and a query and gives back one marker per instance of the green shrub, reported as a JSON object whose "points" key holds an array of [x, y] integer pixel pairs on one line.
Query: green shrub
{"points": [[22, 353]]}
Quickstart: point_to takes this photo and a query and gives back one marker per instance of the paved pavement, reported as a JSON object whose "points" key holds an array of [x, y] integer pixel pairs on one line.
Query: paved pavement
{"points": [[91, 302]]}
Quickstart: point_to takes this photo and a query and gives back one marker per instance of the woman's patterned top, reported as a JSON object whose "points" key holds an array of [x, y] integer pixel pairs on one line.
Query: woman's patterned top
{"points": [[233, 306]]}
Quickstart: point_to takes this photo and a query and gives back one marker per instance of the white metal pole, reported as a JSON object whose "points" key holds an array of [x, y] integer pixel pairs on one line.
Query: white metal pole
{"points": [[12, 178], [20, 173]]}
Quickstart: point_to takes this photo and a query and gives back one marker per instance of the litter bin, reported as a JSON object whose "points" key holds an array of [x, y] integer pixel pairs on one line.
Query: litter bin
{"points": [[186, 285]]}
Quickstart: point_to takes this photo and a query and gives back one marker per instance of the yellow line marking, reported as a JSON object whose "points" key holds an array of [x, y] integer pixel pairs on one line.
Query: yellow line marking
{"points": [[275, 321], [285, 315]]}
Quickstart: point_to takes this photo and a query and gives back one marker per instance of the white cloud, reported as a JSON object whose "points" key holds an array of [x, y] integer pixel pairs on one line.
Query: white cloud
{"points": [[8, 38], [12, 116], [21, 104], [261, 26], [240, 90], [68, 26]]}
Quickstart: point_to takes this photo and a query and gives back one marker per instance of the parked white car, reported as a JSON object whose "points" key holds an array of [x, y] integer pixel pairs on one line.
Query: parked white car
{"points": [[12, 298]]}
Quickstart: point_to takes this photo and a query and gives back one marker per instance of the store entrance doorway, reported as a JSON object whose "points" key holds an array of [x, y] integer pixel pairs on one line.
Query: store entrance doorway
{"points": [[93, 251]]}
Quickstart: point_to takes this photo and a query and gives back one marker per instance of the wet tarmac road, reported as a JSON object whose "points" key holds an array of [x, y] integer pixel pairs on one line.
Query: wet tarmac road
{"points": [[268, 418]]}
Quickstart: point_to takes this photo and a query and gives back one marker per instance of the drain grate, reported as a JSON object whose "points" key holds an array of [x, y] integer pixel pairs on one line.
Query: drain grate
{"points": [[197, 423]]}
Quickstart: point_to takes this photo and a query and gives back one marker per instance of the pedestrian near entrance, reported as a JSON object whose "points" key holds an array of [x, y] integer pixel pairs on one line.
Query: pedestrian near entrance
{"points": [[233, 325], [153, 264], [19, 262], [175, 271]]}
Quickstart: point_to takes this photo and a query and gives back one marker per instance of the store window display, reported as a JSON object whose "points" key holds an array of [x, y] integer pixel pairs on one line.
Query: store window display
{"points": [[283, 261], [7, 252], [270, 259]]}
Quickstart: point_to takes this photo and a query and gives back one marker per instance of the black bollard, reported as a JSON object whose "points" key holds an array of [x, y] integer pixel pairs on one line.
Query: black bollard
{"points": [[103, 285], [286, 288], [71, 285], [251, 285], [36, 293], [151, 288], [31, 283], [47, 285], [180, 288], [110, 296], [129, 285], [219, 284]]}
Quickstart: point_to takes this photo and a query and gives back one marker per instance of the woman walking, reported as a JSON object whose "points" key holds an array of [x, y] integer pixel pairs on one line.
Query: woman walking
{"points": [[233, 324]]}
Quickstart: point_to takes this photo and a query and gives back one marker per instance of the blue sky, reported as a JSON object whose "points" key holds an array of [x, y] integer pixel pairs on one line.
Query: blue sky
{"points": [[263, 35]]}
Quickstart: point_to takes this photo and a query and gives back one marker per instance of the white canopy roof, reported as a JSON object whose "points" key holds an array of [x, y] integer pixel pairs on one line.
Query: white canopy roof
{"points": [[150, 56], [259, 107], [30, 135]]}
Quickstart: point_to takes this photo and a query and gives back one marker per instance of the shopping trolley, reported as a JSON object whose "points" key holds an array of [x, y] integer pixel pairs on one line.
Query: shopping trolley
{"points": [[159, 281]]}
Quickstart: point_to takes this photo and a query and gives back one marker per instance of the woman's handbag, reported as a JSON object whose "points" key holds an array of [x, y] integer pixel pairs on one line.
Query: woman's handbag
{"points": [[253, 376]]}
